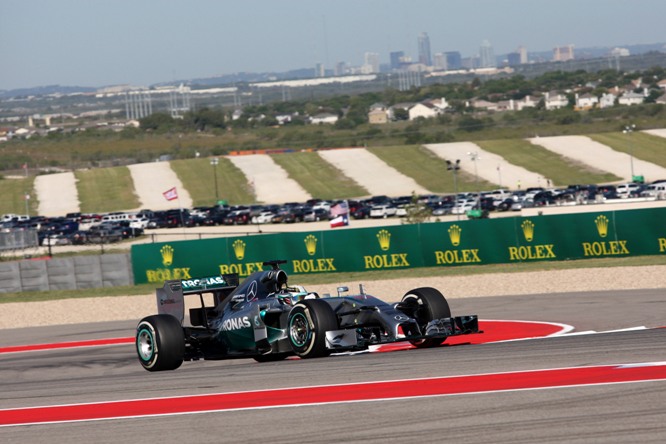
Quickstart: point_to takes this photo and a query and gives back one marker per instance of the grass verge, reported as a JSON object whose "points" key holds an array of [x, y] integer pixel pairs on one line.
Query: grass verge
{"points": [[318, 177], [12, 195], [545, 163], [106, 189], [427, 169], [641, 145], [199, 177]]}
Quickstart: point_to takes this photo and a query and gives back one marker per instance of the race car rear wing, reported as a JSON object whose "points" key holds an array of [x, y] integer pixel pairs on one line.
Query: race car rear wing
{"points": [[171, 297]]}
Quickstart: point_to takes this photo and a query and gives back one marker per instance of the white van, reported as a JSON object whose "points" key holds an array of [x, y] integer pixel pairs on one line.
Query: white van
{"points": [[657, 190], [624, 190], [117, 217], [11, 217]]}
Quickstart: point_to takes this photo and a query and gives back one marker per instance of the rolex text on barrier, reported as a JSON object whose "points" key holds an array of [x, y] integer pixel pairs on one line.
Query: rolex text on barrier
{"points": [[438, 244]]}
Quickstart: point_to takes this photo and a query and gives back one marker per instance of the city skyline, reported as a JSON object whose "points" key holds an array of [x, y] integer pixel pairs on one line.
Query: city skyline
{"points": [[73, 43]]}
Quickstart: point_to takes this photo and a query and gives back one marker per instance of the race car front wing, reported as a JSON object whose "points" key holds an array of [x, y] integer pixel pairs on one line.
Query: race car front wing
{"points": [[351, 339]]}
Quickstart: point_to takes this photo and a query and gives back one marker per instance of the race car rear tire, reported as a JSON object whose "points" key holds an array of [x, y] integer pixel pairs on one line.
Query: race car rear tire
{"points": [[160, 343], [426, 304], [308, 322]]}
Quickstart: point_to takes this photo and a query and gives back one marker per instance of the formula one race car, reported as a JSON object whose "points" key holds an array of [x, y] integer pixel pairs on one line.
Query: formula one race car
{"points": [[268, 320]]}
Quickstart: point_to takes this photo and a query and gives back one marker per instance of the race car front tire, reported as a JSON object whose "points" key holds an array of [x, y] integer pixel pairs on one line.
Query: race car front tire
{"points": [[160, 343], [308, 322], [426, 304]]}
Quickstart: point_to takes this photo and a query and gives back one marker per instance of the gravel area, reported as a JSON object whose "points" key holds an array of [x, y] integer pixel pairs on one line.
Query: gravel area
{"points": [[153, 179], [488, 166], [57, 194], [587, 151], [272, 184], [371, 172], [657, 132], [72, 311]]}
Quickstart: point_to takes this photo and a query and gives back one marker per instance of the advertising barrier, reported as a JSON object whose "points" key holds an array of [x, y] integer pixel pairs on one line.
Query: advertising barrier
{"points": [[438, 244]]}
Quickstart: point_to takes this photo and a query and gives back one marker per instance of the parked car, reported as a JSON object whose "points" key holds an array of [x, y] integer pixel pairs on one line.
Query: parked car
{"points": [[237, 217], [361, 212], [626, 189], [315, 215], [179, 218], [56, 239], [383, 211], [104, 235], [657, 190], [264, 217]]}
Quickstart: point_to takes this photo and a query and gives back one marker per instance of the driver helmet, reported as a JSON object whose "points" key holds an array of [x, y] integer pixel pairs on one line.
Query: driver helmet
{"points": [[292, 295]]}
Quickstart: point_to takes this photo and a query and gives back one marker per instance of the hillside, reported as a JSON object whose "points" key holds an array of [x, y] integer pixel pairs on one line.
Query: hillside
{"points": [[344, 173]]}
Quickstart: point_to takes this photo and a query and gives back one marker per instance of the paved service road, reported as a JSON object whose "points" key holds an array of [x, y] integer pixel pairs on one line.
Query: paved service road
{"points": [[587, 413]]}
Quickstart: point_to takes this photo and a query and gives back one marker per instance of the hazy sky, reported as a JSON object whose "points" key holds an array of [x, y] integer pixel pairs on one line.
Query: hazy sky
{"points": [[140, 42]]}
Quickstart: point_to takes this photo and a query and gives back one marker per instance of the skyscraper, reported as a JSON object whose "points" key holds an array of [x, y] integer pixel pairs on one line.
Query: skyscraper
{"points": [[453, 60], [439, 61], [424, 49], [487, 55], [523, 54], [371, 63], [396, 59], [563, 53]]}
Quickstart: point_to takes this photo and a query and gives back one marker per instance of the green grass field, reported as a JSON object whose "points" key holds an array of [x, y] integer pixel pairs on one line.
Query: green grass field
{"points": [[199, 178], [427, 169], [318, 177], [641, 145], [532, 157], [12, 196], [106, 189]]}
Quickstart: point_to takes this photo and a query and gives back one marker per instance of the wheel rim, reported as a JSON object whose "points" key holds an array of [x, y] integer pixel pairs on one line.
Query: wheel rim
{"points": [[145, 345], [299, 331]]}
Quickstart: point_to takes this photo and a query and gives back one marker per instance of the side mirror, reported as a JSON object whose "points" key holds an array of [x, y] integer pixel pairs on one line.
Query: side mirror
{"points": [[342, 290]]}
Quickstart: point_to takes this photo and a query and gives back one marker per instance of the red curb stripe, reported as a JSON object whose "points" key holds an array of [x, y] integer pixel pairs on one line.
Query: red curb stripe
{"points": [[61, 345], [492, 331], [373, 391]]}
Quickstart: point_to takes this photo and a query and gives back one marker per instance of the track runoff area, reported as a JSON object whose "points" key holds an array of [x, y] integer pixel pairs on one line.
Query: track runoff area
{"points": [[493, 331]]}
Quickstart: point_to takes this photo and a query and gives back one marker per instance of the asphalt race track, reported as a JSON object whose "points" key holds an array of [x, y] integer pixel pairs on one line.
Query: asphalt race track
{"points": [[502, 392]]}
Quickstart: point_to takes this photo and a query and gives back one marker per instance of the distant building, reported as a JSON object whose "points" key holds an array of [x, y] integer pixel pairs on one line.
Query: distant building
{"points": [[320, 70], [487, 55], [340, 69], [453, 60], [439, 61], [396, 59], [555, 100], [526, 102], [513, 59], [563, 53], [586, 101], [631, 98], [378, 116], [323, 118], [620, 52], [399, 106], [424, 49], [371, 64], [607, 100], [523, 54], [483, 104]]}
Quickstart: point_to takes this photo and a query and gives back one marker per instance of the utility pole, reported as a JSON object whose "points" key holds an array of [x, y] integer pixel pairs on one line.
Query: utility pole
{"points": [[214, 161], [451, 166], [628, 130]]}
